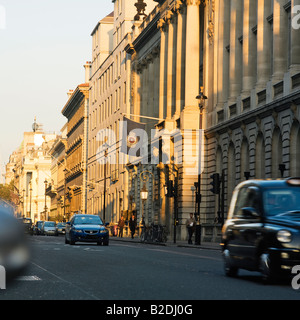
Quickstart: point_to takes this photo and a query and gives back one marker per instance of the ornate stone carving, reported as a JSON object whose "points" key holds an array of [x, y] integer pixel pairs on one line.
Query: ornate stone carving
{"points": [[161, 24], [211, 16], [193, 2], [169, 16], [178, 6], [140, 6]]}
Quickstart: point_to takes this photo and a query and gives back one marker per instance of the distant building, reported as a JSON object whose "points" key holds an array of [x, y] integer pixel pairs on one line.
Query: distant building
{"points": [[109, 100], [56, 188], [246, 56], [76, 112], [30, 165]]}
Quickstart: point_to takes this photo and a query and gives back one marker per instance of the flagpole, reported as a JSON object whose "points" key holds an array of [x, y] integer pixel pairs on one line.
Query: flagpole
{"points": [[136, 115]]}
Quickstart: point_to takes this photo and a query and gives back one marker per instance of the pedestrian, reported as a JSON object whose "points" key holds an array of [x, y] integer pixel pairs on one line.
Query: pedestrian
{"points": [[132, 225], [190, 224], [121, 226]]}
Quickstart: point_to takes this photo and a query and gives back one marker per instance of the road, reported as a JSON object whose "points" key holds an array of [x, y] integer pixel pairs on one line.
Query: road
{"points": [[133, 271]]}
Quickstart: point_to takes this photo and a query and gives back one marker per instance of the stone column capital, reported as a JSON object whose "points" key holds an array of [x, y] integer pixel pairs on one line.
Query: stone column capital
{"points": [[195, 2], [161, 24]]}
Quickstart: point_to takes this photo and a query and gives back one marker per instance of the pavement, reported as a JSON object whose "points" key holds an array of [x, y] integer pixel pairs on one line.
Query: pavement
{"points": [[170, 243]]}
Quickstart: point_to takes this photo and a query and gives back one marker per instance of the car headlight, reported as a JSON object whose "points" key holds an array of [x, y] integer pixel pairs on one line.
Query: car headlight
{"points": [[284, 236], [78, 231]]}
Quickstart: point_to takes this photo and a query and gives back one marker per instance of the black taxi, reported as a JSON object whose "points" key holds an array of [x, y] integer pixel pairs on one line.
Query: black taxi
{"points": [[262, 231]]}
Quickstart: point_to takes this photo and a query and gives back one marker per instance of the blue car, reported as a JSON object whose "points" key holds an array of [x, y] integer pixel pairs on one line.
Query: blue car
{"points": [[86, 228]]}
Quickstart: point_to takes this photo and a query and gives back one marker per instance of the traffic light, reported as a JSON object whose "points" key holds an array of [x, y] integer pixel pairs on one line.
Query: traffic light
{"points": [[170, 190], [215, 183]]}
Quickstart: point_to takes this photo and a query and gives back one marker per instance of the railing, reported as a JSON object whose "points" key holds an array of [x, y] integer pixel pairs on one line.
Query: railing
{"points": [[154, 233]]}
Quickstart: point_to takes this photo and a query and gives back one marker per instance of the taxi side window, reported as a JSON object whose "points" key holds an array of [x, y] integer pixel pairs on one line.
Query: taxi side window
{"points": [[248, 197], [253, 200], [240, 202]]}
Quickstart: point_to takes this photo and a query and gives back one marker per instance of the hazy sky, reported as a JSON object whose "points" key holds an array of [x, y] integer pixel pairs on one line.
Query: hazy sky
{"points": [[43, 47]]}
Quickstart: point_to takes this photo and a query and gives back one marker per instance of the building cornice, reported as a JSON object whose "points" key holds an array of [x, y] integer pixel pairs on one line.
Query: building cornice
{"points": [[259, 112]]}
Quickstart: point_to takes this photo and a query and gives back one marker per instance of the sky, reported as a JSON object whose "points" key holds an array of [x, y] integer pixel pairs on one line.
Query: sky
{"points": [[43, 47]]}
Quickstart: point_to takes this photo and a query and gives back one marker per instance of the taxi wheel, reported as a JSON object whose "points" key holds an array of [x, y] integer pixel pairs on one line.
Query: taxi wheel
{"points": [[230, 270]]}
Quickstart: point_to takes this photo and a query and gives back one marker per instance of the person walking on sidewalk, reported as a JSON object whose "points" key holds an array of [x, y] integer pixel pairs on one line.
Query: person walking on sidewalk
{"points": [[132, 225], [121, 226], [190, 224]]}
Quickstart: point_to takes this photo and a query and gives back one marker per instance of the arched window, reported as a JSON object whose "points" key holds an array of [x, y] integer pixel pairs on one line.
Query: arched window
{"points": [[260, 157], [244, 158], [295, 149], [276, 153], [231, 172]]}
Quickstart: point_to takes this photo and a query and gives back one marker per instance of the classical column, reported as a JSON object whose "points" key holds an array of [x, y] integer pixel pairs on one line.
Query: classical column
{"points": [[280, 34], [192, 53], [162, 74], [263, 43], [235, 73], [249, 46], [295, 38], [180, 54], [170, 62], [223, 61]]}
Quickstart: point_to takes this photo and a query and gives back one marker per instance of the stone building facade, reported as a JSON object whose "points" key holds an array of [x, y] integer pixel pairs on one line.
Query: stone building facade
{"points": [[76, 112], [30, 166], [246, 56], [109, 100]]}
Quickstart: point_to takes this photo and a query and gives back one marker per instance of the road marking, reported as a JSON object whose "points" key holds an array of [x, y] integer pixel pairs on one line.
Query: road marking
{"points": [[65, 281], [91, 249], [28, 278], [187, 254]]}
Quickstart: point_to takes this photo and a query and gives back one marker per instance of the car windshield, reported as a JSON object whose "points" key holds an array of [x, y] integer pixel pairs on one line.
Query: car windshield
{"points": [[88, 220], [49, 224], [282, 201], [61, 224]]}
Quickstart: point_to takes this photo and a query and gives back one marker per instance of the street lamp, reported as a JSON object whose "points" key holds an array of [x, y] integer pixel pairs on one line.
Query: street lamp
{"points": [[201, 100], [30, 189], [144, 193], [106, 146], [46, 182], [144, 197]]}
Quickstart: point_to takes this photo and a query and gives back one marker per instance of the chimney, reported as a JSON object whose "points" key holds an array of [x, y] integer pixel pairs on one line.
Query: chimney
{"points": [[88, 68]]}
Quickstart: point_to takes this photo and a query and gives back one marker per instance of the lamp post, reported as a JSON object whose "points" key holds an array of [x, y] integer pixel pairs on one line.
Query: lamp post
{"points": [[144, 176], [201, 99], [144, 197], [46, 209], [171, 191], [30, 190], [24, 195], [104, 194]]}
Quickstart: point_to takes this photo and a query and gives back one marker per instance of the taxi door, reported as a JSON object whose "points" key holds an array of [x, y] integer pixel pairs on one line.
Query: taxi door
{"points": [[247, 226]]}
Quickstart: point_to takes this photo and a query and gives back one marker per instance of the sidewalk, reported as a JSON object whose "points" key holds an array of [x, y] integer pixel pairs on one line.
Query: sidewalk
{"points": [[169, 243]]}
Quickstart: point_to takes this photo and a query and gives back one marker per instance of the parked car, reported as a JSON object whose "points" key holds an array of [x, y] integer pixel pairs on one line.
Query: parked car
{"points": [[61, 227], [14, 249], [27, 225], [262, 231], [38, 227], [49, 228], [86, 228]]}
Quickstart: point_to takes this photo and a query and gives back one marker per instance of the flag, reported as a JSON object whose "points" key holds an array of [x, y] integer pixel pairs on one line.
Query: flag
{"points": [[132, 137]]}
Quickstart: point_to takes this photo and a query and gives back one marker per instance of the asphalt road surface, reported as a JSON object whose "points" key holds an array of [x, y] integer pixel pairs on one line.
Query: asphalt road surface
{"points": [[134, 271]]}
